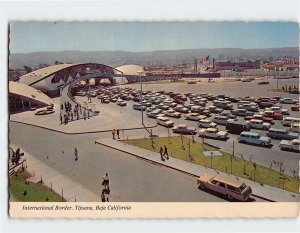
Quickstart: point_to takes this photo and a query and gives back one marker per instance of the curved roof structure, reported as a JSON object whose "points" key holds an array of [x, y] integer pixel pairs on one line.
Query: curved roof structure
{"points": [[64, 71], [29, 93], [132, 70]]}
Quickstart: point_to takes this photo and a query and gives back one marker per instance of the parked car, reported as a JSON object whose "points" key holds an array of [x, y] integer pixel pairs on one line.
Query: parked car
{"points": [[189, 106], [287, 101], [291, 145], [139, 107], [162, 106], [106, 101], [172, 113], [169, 103], [241, 112], [288, 121], [278, 133], [295, 128], [180, 108], [278, 109], [194, 116], [150, 109], [220, 120], [196, 109], [154, 113], [259, 124], [213, 133], [121, 103], [265, 104], [272, 114], [230, 187], [206, 123], [214, 109], [295, 108], [249, 107], [228, 114], [183, 129], [237, 127], [164, 121], [254, 138], [224, 104], [260, 117]]}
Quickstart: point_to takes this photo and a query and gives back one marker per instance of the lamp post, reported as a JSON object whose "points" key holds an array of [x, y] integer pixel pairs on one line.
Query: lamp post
{"points": [[140, 72]]}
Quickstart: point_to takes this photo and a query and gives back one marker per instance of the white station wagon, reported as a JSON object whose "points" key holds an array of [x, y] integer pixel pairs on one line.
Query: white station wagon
{"points": [[254, 138], [259, 124], [292, 145], [206, 123], [213, 133], [231, 187], [172, 113], [194, 116], [164, 121]]}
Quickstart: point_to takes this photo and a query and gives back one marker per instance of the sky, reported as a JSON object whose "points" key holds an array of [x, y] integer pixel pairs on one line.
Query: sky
{"points": [[26, 37]]}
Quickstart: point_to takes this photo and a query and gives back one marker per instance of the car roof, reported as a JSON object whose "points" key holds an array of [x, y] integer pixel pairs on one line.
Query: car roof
{"points": [[250, 133], [277, 129], [224, 179], [256, 120], [228, 180]]}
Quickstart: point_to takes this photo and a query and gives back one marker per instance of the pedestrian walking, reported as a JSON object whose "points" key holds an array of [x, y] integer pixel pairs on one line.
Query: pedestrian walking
{"points": [[76, 154], [166, 152], [72, 116], [161, 150], [103, 196], [113, 133], [118, 133], [61, 120], [105, 182]]}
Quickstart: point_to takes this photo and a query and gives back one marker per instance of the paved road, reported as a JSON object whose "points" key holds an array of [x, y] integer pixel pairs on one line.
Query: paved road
{"points": [[131, 179]]}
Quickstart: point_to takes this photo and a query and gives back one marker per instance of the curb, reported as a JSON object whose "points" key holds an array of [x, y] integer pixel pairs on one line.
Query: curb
{"points": [[149, 160], [88, 132], [165, 165]]}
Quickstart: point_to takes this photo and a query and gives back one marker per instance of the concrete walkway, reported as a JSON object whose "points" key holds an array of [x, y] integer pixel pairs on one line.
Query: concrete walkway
{"points": [[262, 191], [111, 116], [71, 190]]}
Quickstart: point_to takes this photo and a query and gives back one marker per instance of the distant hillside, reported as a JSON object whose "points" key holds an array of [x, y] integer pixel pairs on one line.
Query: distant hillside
{"points": [[116, 58]]}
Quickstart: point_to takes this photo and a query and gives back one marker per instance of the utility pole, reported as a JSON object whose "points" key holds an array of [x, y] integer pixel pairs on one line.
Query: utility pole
{"points": [[141, 99], [233, 148]]}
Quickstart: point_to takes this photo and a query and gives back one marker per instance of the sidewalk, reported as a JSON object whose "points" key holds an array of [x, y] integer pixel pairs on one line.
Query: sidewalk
{"points": [[111, 116], [71, 189], [262, 191]]}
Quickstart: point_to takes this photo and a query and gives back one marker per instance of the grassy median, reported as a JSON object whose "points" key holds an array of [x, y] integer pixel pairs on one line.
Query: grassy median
{"points": [[26, 191], [183, 148]]}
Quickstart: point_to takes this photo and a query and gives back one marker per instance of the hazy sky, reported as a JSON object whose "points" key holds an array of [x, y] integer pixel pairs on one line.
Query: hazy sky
{"points": [[35, 36]]}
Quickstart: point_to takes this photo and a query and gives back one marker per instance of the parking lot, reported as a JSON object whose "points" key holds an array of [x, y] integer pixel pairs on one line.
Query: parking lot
{"points": [[258, 154]]}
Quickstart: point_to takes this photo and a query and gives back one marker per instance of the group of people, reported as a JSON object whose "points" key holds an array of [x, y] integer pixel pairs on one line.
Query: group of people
{"points": [[16, 157], [114, 132], [89, 98], [105, 191], [74, 114], [164, 153]]}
